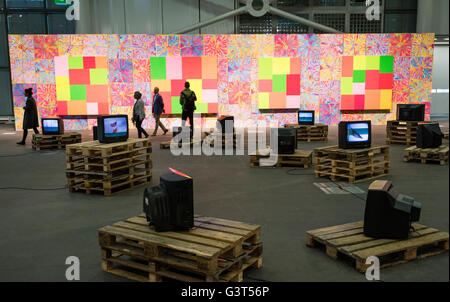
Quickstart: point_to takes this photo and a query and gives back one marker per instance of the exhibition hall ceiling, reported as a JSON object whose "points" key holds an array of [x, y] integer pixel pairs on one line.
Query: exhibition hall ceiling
{"points": [[253, 77]]}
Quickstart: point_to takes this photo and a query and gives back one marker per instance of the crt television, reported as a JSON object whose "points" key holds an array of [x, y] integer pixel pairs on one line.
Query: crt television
{"points": [[355, 134], [411, 112], [306, 117], [170, 205], [112, 128], [286, 142], [52, 126], [429, 135]]}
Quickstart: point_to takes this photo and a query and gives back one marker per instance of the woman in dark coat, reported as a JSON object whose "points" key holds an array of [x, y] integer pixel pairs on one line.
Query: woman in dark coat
{"points": [[30, 117]]}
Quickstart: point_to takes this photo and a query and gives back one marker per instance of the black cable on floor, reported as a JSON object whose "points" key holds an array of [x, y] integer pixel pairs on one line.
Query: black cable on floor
{"points": [[33, 189]]}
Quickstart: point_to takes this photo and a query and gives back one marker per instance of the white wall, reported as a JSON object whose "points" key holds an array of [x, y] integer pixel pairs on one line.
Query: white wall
{"points": [[440, 101]]}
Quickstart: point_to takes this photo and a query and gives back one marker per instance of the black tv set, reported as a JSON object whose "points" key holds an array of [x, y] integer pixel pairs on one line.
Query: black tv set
{"points": [[112, 128], [95, 133], [52, 126], [287, 140], [224, 120], [305, 117], [389, 214], [429, 135], [170, 205], [411, 112], [355, 134]]}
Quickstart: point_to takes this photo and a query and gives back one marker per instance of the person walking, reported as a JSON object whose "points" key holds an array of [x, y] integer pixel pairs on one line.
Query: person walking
{"points": [[30, 117], [157, 110], [187, 101], [139, 114]]}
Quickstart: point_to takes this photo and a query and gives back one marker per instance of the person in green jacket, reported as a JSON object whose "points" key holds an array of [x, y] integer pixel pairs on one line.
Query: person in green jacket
{"points": [[187, 101]]}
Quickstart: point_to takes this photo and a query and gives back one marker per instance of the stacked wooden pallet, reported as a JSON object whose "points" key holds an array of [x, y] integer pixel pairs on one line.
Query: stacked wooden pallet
{"points": [[214, 250], [108, 168], [427, 155], [300, 159], [318, 132], [348, 241], [226, 140], [352, 165], [57, 141], [404, 133]]}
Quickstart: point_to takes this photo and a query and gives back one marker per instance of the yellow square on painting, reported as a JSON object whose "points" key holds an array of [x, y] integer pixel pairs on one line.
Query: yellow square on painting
{"points": [[385, 99], [163, 85], [359, 63], [281, 66], [62, 88], [263, 100], [196, 86]]}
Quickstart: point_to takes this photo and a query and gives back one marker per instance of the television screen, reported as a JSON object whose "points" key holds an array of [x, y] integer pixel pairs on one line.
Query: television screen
{"points": [[115, 127], [306, 117], [410, 112], [50, 125], [357, 132]]}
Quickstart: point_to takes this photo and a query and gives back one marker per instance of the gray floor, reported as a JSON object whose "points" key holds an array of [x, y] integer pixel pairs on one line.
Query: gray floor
{"points": [[40, 229]]}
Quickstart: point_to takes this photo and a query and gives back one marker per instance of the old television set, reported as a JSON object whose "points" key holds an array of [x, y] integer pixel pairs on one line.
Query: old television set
{"points": [[411, 112], [355, 134], [52, 126], [283, 140], [95, 133], [305, 117], [429, 135], [225, 120], [389, 214], [170, 205], [112, 128]]}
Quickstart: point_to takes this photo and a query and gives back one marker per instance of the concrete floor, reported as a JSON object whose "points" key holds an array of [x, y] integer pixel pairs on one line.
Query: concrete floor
{"points": [[40, 229]]}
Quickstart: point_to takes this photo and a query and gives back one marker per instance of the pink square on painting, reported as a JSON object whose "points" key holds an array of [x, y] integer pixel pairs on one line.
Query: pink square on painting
{"points": [[173, 68], [209, 96], [359, 102], [177, 87], [265, 86], [61, 66], [92, 108], [359, 88], [209, 84], [293, 101]]}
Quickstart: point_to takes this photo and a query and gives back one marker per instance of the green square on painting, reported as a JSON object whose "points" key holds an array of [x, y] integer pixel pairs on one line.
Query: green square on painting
{"points": [[158, 68], [265, 68], [176, 106], [76, 63], [78, 92], [99, 76], [201, 107], [279, 83], [346, 86], [373, 63], [386, 64], [359, 76]]}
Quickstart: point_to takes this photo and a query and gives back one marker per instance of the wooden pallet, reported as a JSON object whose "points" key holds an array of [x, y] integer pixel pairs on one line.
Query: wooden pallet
{"points": [[166, 145], [428, 155], [214, 250], [445, 134], [351, 165], [403, 133], [348, 241], [310, 133], [60, 141], [300, 159], [225, 140]]}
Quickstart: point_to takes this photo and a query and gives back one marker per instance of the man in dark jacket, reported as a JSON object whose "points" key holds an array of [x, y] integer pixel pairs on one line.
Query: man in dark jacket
{"points": [[30, 117], [187, 101], [157, 110]]}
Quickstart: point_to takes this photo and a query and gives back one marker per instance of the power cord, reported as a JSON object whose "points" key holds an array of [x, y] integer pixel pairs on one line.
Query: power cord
{"points": [[33, 189]]}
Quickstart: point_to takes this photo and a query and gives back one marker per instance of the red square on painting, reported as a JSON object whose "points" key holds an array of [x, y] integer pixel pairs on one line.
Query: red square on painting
{"points": [[359, 102], [79, 76], [167, 99], [192, 67], [103, 108], [293, 84], [265, 86], [386, 80], [177, 87], [62, 108], [347, 66], [209, 84], [89, 62], [347, 102], [372, 79], [213, 108]]}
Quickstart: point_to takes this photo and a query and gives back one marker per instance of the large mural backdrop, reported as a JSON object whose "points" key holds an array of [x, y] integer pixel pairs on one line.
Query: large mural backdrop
{"points": [[253, 77]]}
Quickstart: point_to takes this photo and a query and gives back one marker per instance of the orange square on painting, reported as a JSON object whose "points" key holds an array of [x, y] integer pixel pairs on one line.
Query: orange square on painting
{"points": [[296, 65], [347, 67], [209, 67], [347, 102], [277, 100], [192, 67], [103, 108], [101, 63], [76, 108], [97, 93], [372, 100]]}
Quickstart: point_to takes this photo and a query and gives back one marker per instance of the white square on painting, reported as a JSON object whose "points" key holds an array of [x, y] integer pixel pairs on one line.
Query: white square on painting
{"points": [[209, 96], [359, 88], [61, 66], [174, 68], [92, 108], [293, 101]]}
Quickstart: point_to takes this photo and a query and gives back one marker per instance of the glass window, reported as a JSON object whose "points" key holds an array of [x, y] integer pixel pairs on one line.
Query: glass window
{"points": [[329, 2], [56, 4], [401, 4], [400, 23], [33, 23], [25, 3], [3, 41], [5, 88], [58, 24]]}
